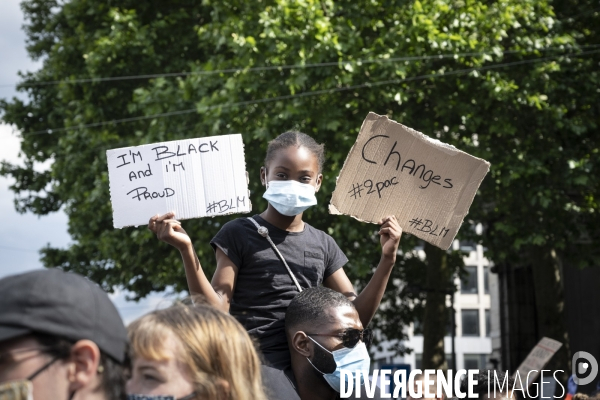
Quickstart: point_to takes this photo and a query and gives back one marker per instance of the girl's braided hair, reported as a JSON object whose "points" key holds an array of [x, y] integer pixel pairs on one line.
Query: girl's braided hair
{"points": [[298, 139]]}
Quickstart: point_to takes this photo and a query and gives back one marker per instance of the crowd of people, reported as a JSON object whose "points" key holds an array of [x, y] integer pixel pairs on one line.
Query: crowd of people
{"points": [[279, 319], [61, 337], [276, 321]]}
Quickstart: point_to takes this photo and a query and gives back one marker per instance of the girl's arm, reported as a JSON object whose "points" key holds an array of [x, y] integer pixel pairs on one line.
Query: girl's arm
{"points": [[219, 293], [367, 302]]}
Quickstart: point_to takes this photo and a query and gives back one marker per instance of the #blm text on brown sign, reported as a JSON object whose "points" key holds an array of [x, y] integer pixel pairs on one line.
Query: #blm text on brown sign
{"points": [[393, 169]]}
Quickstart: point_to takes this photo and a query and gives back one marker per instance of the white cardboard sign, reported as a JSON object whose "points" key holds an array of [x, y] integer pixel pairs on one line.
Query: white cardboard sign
{"points": [[537, 359], [394, 170], [202, 177]]}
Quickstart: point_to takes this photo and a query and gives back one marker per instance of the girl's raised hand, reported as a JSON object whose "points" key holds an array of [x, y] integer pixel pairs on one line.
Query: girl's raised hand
{"points": [[169, 230], [389, 237]]}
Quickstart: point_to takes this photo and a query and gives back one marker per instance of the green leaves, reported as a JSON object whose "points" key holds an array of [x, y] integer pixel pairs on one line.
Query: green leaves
{"points": [[261, 68]]}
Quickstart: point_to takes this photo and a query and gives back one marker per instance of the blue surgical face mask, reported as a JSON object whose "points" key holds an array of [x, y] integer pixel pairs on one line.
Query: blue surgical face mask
{"points": [[348, 359], [290, 197]]}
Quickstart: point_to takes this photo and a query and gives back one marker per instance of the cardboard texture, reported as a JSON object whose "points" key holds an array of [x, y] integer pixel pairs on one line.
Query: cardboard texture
{"points": [[201, 177], [392, 169], [537, 359]]}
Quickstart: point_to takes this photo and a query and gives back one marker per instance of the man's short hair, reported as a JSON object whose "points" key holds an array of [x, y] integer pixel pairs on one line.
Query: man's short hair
{"points": [[309, 306]]}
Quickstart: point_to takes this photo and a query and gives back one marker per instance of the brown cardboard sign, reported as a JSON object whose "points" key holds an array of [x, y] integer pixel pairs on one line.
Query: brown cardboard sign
{"points": [[393, 169]]}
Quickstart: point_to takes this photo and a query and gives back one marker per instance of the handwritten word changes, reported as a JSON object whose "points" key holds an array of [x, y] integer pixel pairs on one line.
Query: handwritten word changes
{"points": [[427, 175], [426, 226], [368, 184]]}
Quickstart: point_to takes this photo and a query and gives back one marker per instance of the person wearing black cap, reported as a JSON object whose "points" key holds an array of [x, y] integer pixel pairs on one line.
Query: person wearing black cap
{"points": [[60, 338]]}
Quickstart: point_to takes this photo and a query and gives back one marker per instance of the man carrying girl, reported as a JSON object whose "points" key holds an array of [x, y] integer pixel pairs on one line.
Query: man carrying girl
{"points": [[264, 261]]}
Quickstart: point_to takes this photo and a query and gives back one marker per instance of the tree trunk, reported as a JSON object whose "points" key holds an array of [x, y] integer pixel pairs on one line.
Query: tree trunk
{"points": [[550, 307], [436, 312]]}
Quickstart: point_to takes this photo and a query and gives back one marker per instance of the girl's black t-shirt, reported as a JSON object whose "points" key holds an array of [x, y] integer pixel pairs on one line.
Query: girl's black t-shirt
{"points": [[264, 289]]}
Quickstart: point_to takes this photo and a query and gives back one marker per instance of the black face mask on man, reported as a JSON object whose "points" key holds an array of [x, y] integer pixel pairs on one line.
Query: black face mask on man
{"points": [[322, 361]]}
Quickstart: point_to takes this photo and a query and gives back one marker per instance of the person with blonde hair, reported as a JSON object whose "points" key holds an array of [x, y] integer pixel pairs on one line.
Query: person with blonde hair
{"points": [[192, 352]]}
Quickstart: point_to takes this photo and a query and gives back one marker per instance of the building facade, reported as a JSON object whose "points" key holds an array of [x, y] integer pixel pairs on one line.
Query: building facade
{"points": [[476, 317]]}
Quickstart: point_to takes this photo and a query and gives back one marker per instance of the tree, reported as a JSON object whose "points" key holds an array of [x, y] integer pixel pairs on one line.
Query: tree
{"points": [[441, 268], [542, 198], [261, 68]]}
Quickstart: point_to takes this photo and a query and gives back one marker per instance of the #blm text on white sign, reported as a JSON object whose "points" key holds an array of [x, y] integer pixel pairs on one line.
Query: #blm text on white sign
{"points": [[394, 170], [201, 177], [537, 359]]}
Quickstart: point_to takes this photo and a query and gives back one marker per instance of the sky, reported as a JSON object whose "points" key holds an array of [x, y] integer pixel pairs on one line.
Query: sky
{"points": [[22, 235]]}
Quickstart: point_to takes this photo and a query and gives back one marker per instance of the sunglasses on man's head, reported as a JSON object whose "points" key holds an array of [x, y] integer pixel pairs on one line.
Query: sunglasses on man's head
{"points": [[350, 337]]}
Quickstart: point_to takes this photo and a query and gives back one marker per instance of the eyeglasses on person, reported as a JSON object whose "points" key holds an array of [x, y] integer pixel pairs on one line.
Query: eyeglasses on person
{"points": [[350, 337]]}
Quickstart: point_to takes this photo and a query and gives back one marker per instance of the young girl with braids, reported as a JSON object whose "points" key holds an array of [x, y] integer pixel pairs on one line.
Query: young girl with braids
{"points": [[251, 281]]}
